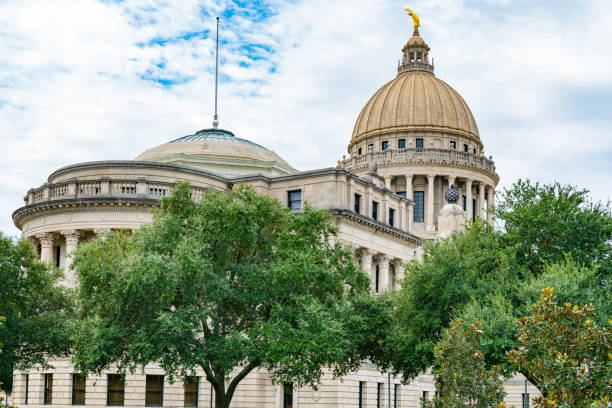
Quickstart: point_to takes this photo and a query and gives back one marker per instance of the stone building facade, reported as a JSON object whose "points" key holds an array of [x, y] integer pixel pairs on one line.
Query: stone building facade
{"points": [[414, 139]]}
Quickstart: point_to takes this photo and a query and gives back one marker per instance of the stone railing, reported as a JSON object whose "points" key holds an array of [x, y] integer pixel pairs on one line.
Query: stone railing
{"points": [[104, 188], [407, 156]]}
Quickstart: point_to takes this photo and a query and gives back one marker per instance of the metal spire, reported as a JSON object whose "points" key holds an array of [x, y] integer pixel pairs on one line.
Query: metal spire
{"points": [[216, 117]]}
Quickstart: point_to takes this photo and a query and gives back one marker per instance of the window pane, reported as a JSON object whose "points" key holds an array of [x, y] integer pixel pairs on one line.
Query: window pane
{"points": [[78, 389], [419, 206], [357, 203], [419, 143], [294, 199], [154, 388], [48, 397], [385, 145], [391, 216], [375, 210], [116, 388], [401, 144], [191, 392]]}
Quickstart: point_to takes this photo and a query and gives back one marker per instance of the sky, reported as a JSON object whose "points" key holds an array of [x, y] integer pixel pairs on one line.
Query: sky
{"points": [[84, 80]]}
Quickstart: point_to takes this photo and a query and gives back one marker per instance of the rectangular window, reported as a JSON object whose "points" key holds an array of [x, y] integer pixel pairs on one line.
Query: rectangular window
{"points": [[359, 151], [525, 400], [391, 216], [48, 391], [464, 203], [465, 148], [419, 206], [58, 252], [191, 392], [357, 207], [396, 396], [375, 210], [288, 395], [370, 148], [27, 388], [361, 394], [401, 144], [379, 392], [294, 199], [453, 144], [154, 391], [385, 145], [474, 150], [474, 210], [115, 390], [376, 278], [419, 143], [401, 193], [78, 389]]}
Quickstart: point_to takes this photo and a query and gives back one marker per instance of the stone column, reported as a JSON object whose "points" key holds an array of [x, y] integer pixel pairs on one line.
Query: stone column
{"points": [[46, 246], [383, 273], [481, 200], [451, 181], [409, 187], [404, 215], [366, 265], [399, 273], [468, 198], [429, 216], [72, 241], [490, 204]]}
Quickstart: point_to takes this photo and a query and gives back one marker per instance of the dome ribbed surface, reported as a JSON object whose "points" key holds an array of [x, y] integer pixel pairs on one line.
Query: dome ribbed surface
{"points": [[415, 101]]}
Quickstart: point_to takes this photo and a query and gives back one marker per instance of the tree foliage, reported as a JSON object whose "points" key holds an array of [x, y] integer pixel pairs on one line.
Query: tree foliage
{"points": [[565, 354], [229, 284], [455, 272], [36, 308], [461, 375], [552, 235], [547, 223]]}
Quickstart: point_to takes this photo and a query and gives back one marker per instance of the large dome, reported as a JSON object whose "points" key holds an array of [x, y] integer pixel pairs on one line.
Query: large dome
{"points": [[415, 101], [221, 152]]}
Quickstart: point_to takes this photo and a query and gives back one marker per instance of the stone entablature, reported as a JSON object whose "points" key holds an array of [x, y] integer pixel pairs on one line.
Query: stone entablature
{"points": [[413, 156]]}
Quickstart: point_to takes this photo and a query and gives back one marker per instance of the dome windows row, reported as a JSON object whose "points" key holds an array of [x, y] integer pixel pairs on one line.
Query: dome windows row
{"points": [[417, 143]]}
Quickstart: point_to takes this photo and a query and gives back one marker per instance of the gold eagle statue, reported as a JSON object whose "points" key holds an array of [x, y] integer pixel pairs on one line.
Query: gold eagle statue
{"points": [[415, 18]]}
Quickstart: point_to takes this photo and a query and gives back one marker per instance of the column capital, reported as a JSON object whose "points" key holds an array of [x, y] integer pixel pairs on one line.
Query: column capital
{"points": [[70, 233], [468, 181], [365, 251], [101, 231], [383, 259], [431, 176], [45, 238]]}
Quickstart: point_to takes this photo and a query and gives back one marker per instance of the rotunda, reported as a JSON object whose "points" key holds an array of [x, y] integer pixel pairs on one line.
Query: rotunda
{"points": [[423, 138]]}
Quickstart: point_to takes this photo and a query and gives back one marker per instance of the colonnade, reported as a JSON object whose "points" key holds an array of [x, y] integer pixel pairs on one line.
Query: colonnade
{"points": [[484, 192], [385, 271], [49, 240]]}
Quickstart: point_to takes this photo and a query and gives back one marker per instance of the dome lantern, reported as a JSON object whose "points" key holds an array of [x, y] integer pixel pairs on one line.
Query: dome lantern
{"points": [[416, 51]]}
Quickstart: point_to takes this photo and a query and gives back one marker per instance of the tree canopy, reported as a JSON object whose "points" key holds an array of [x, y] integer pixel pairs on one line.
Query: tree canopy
{"points": [[231, 283], [36, 308], [552, 235], [565, 354]]}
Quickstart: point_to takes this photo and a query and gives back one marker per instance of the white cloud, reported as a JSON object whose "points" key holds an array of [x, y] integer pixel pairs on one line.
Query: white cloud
{"points": [[71, 87]]}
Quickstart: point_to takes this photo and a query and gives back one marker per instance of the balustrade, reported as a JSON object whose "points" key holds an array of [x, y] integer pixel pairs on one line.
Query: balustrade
{"points": [[400, 156]]}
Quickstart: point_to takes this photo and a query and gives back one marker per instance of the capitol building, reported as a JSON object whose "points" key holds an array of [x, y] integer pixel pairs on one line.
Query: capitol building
{"points": [[414, 170]]}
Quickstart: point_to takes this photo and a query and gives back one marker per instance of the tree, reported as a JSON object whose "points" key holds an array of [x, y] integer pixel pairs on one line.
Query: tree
{"points": [[37, 310], [455, 272], [547, 223], [565, 354], [229, 284], [461, 375]]}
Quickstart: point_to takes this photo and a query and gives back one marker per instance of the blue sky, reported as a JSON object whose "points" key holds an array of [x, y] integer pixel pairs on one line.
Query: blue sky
{"points": [[88, 80]]}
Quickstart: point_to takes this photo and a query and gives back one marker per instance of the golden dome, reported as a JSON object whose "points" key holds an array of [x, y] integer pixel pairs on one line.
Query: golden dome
{"points": [[415, 101]]}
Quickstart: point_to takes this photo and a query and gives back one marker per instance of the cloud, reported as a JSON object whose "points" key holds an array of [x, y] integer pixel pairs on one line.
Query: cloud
{"points": [[94, 80]]}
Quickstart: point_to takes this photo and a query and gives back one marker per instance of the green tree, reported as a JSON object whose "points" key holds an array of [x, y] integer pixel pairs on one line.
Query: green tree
{"points": [[565, 354], [472, 266], [547, 223], [460, 373], [37, 310], [231, 283]]}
